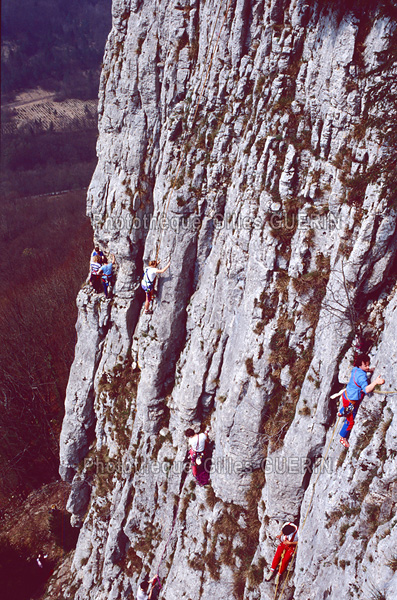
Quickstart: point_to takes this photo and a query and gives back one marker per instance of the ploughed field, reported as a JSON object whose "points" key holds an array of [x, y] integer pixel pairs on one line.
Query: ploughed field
{"points": [[38, 110]]}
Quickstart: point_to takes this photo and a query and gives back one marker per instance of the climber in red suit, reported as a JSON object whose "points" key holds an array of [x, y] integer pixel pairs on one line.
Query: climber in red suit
{"points": [[285, 550]]}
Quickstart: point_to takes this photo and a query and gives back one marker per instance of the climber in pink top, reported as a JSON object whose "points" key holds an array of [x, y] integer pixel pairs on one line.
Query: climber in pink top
{"points": [[198, 456]]}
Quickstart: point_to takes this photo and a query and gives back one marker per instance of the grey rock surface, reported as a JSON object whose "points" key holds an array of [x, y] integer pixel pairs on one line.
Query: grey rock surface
{"points": [[233, 140]]}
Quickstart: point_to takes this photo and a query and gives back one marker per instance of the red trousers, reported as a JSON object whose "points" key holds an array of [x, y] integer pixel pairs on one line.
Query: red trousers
{"points": [[194, 466], [200, 472], [289, 550], [349, 419]]}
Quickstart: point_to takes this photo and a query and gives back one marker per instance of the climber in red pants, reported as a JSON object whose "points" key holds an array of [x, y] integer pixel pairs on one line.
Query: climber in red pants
{"points": [[285, 550]]}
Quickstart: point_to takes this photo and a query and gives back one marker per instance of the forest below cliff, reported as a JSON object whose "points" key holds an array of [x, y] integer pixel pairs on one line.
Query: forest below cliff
{"points": [[53, 44], [51, 56], [45, 236]]}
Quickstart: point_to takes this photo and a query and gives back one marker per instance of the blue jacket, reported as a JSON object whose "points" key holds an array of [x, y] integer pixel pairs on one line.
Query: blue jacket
{"points": [[355, 389], [107, 269]]}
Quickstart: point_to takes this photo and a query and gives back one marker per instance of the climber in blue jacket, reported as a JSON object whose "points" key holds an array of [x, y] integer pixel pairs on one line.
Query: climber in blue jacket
{"points": [[355, 391], [106, 273]]}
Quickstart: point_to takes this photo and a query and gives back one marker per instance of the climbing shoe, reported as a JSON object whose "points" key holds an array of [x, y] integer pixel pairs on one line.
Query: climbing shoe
{"points": [[269, 576], [148, 312], [277, 579], [344, 442]]}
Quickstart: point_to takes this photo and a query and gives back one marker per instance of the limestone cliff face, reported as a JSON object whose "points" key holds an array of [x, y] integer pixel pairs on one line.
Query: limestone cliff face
{"points": [[244, 141]]}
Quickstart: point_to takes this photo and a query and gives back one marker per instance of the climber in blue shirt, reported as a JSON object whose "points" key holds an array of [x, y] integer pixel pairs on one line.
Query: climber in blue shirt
{"points": [[106, 272], [355, 391]]}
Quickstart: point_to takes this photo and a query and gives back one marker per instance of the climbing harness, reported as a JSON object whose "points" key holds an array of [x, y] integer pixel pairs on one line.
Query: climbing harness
{"points": [[346, 410], [147, 283]]}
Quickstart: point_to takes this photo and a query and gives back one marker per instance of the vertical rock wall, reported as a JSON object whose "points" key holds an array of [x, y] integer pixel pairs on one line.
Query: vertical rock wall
{"points": [[242, 140]]}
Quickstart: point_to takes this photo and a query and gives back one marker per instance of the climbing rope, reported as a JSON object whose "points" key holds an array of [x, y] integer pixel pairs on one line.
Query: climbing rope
{"points": [[183, 154], [278, 580], [384, 393], [318, 476], [176, 508], [212, 57], [326, 454], [287, 578], [166, 543], [311, 500], [210, 44]]}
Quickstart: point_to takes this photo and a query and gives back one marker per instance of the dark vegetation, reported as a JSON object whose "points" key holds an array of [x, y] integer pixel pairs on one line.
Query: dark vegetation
{"points": [[19, 573], [44, 250], [53, 44], [358, 7], [45, 162], [45, 241], [16, 569], [40, 525]]}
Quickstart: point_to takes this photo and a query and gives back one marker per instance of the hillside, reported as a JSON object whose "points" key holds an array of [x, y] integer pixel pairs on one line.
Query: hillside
{"points": [[47, 159], [53, 44]]}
